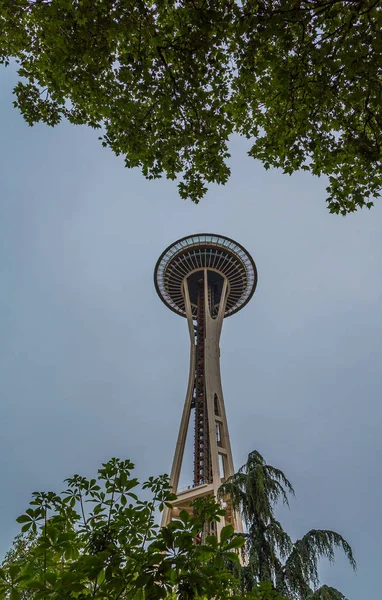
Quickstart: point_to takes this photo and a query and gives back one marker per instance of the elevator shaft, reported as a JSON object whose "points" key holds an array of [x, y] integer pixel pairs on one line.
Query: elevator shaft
{"points": [[202, 451]]}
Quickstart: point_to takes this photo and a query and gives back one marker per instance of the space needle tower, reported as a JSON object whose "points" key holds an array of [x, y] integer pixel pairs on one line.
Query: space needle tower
{"points": [[204, 278]]}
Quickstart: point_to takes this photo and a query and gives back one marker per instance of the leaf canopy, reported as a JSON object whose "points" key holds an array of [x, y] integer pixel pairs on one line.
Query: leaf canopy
{"points": [[85, 543], [170, 81]]}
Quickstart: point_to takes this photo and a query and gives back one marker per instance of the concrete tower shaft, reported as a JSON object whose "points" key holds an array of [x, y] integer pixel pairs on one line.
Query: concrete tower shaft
{"points": [[204, 278]]}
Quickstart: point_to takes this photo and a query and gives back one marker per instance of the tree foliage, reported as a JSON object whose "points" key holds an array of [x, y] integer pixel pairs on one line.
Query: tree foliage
{"points": [[326, 593], [98, 540], [271, 554], [169, 82]]}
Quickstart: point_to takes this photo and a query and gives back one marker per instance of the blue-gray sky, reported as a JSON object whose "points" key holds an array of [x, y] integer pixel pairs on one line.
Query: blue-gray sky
{"points": [[93, 365]]}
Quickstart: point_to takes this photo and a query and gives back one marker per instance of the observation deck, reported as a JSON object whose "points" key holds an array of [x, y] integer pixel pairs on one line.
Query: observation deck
{"points": [[220, 256]]}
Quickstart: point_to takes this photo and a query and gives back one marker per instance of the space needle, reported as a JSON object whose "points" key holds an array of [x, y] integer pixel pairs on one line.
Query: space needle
{"points": [[204, 278]]}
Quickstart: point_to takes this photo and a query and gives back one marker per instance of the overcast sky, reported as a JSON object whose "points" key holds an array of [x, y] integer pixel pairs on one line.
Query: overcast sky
{"points": [[93, 365]]}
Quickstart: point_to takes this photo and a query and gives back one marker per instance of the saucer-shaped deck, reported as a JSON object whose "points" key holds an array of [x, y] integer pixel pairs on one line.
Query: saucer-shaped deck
{"points": [[221, 256]]}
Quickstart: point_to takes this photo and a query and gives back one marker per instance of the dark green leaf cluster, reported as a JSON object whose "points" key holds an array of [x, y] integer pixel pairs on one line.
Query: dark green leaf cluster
{"points": [[326, 593], [270, 553], [169, 82], [99, 540]]}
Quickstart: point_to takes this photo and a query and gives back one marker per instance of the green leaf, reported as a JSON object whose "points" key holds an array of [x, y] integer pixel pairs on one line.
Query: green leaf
{"points": [[14, 570], [226, 533], [184, 516], [24, 519], [212, 540], [232, 556], [236, 542]]}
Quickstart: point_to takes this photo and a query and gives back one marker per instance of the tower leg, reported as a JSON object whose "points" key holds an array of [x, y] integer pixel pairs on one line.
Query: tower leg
{"points": [[213, 462]]}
